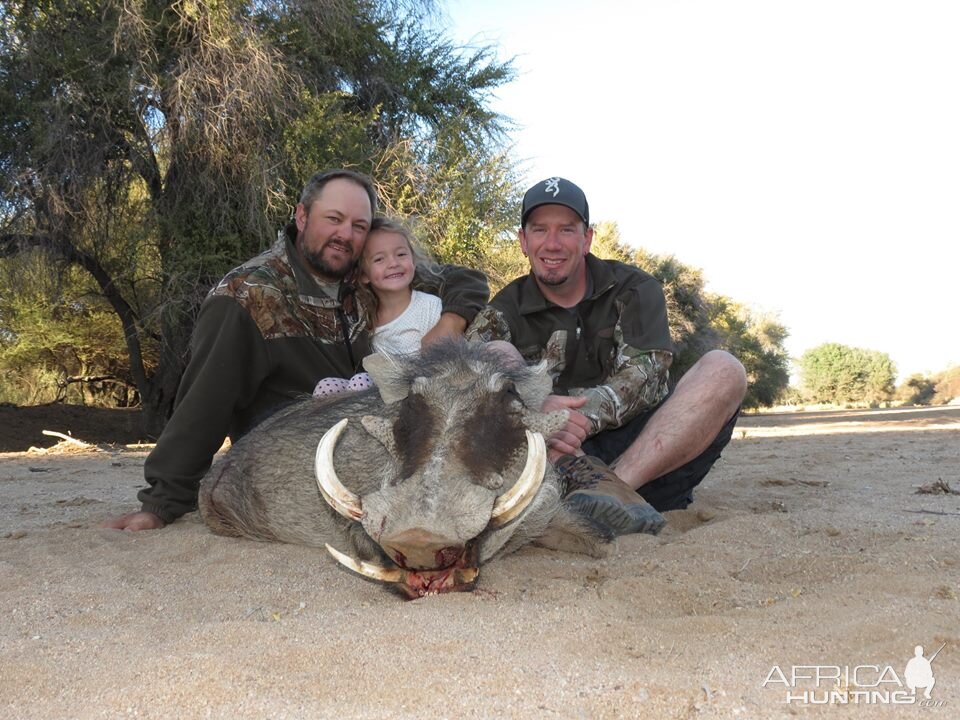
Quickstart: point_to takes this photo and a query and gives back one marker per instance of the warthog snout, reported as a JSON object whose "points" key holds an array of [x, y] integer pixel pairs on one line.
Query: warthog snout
{"points": [[416, 483], [421, 548]]}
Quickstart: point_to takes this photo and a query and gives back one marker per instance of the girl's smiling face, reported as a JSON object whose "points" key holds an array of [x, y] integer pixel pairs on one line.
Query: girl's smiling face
{"points": [[387, 263]]}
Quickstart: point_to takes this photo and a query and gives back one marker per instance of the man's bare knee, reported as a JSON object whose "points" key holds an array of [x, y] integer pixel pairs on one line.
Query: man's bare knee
{"points": [[721, 370], [718, 375], [729, 369]]}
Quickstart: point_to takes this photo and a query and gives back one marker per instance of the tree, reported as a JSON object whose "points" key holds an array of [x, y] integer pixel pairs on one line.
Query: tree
{"points": [[700, 321], [129, 154], [608, 244], [460, 197], [60, 340], [947, 384], [917, 390], [157, 144], [835, 373], [757, 340], [688, 306]]}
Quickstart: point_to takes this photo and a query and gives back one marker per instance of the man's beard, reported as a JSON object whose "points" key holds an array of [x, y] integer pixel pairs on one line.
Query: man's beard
{"points": [[320, 266], [551, 280]]}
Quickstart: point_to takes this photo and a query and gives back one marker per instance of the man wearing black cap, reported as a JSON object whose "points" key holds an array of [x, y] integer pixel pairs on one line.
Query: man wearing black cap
{"points": [[603, 327]]}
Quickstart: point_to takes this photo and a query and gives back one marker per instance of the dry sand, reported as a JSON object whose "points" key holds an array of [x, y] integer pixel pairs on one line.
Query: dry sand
{"points": [[808, 545]]}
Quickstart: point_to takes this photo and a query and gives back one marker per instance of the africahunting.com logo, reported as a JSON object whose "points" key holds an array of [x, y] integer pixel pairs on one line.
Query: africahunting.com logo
{"points": [[858, 684]]}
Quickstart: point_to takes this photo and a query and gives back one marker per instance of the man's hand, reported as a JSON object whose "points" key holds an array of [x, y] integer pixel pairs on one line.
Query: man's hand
{"points": [[566, 441], [141, 520], [450, 325]]}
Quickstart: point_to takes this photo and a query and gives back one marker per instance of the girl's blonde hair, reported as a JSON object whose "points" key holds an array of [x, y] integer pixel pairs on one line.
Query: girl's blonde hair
{"points": [[425, 267]]}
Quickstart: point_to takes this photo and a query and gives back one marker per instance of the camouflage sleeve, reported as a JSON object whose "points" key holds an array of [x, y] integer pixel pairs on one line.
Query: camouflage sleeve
{"points": [[639, 383], [489, 324], [462, 290]]}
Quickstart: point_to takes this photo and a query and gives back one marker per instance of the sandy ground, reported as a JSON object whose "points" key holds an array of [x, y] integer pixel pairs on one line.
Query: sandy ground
{"points": [[808, 545]]}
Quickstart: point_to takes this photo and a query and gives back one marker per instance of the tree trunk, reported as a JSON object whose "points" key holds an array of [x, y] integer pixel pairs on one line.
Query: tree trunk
{"points": [[157, 398]]}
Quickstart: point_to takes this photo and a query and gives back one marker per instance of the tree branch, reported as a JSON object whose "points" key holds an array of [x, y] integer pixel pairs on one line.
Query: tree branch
{"points": [[12, 244]]}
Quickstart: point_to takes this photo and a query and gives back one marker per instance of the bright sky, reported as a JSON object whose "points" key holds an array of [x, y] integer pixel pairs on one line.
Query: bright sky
{"points": [[805, 154]]}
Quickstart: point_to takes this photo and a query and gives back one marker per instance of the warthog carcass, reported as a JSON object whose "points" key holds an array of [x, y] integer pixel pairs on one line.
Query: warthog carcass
{"points": [[423, 479]]}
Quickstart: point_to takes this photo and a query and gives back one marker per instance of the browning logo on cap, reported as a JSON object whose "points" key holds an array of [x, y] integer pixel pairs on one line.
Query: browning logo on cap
{"points": [[555, 191]]}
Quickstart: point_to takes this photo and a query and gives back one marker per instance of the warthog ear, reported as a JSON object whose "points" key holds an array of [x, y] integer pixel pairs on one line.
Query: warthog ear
{"points": [[381, 429], [384, 373], [535, 387]]}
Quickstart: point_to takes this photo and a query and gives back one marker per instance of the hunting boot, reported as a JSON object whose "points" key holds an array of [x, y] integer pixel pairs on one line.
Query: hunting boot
{"points": [[596, 492]]}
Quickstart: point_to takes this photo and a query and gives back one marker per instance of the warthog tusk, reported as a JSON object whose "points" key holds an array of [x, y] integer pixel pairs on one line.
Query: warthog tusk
{"points": [[333, 491], [366, 569], [515, 500]]}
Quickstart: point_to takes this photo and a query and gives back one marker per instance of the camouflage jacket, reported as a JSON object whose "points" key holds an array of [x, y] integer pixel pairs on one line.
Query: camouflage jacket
{"points": [[264, 336], [614, 347]]}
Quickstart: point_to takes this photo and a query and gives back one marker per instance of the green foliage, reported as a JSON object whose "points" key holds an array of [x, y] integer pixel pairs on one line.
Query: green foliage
{"points": [[688, 306], [57, 335], [838, 374], [948, 385], [328, 132], [700, 321], [937, 389], [504, 261], [460, 200], [146, 147], [157, 144], [608, 245], [757, 340], [33, 385], [916, 390]]}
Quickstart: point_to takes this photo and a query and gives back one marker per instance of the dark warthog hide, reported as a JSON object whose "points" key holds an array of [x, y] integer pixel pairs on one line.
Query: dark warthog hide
{"points": [[421, 480]]}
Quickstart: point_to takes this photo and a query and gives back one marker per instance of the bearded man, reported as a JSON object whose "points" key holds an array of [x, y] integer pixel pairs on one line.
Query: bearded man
{"points": [[271, 329]]}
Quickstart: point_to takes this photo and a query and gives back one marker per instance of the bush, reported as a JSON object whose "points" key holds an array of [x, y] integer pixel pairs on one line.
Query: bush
{"points": [[947, 386], [839, 374]]}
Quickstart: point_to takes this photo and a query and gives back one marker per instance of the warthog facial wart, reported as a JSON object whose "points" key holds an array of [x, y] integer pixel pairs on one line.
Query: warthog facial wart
{"points": [[416, 483]]}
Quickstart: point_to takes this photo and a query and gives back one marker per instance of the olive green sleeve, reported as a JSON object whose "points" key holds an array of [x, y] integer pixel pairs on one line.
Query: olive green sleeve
{"points": [[462, 290], [640, 374], [227, 365]]}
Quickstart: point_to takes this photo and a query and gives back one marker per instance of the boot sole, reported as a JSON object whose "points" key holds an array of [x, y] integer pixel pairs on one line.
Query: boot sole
{"points": [[621, 519]]}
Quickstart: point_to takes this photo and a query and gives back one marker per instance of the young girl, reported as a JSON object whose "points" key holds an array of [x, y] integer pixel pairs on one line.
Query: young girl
{"points": [[398, 315]]}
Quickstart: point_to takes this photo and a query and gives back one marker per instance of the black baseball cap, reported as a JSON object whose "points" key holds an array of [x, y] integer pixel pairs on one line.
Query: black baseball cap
{"points": [[555, 191]]}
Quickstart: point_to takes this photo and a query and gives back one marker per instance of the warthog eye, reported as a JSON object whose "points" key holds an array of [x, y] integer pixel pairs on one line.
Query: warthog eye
{"points": [[513, 402], [511, 392]]}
